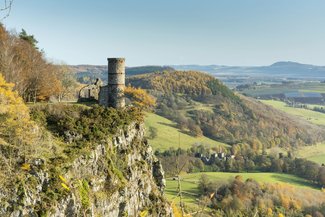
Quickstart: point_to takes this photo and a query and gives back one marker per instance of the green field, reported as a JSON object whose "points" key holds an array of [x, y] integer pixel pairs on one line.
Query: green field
{"points": [[312, 106], [260, 91], [169, 136], [314, 153], [190, 182], [285, 88], [311, 116]]}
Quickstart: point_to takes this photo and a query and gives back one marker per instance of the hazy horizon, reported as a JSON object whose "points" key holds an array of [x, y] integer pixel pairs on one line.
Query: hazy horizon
{"points": [[284, 61]]}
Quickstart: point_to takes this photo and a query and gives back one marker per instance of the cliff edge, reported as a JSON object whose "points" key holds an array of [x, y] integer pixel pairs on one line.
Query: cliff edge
{"points": [[117, 176]]}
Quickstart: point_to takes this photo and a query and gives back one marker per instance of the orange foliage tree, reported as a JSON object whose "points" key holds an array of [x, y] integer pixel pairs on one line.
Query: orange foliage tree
{"points": [[24, 65], [140, 98]]}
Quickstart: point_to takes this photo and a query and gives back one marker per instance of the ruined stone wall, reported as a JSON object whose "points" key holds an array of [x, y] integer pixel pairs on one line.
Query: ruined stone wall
{"points": [[103, 96]]}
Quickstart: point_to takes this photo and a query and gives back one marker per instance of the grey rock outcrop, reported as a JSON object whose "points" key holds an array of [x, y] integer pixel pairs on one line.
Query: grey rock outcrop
{"points": [[119, 177]]}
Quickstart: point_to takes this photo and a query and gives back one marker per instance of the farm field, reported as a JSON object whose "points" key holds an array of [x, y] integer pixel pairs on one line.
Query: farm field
{"points": [[314, 153], [190, 181], [312, 106], [168, 135], [315, 87], [319, 158], [311, 116], [260, 91]]}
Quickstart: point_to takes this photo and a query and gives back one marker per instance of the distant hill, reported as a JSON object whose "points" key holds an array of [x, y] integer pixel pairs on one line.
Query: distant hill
{"points": [[100, 71], [278, 69], [203, 105], [232, 76]]}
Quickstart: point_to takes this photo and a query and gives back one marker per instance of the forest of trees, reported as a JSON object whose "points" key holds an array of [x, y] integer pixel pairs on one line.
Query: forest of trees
{"points": [[202, 105], [249, 198], [246, 160], [35, 79]]}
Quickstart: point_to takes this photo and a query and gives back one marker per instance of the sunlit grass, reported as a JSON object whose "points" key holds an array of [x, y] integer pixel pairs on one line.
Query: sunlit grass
{"points": [[190, 182], [311, 116], [168, 135], [314, 153]]}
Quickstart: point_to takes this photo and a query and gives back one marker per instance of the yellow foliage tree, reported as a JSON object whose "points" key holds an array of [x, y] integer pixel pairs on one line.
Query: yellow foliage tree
{"points": [[140, 98], [176, 211], [285, 201], [15, 125]]}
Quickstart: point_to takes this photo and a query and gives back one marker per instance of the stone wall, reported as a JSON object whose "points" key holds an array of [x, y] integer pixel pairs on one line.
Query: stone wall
{"points": [[103, 96]]}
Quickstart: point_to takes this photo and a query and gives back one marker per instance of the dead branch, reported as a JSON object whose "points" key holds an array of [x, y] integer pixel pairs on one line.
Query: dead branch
{"points": [[6, 9]]}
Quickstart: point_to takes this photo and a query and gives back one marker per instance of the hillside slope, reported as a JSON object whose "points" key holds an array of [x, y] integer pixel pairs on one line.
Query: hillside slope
{"points": [[227, 117], [168, 136]]}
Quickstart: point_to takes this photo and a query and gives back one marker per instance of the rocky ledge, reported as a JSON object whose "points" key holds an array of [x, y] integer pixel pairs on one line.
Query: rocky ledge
{"points": [[119, 177]]}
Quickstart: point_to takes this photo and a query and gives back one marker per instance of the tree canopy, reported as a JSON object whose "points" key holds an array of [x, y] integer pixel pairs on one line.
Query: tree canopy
{"points": [[140, 98], [15, 124], [29, 38], [203, 105], [24, 65]]}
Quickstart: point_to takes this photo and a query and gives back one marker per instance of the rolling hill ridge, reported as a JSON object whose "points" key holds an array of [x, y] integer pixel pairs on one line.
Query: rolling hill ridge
{"points": [[280, 69], [203, 105]]}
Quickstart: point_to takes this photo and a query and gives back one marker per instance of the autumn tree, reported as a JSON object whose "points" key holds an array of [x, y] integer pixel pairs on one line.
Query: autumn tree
{"points": [[203, 185], [24, 65], [68, 84], [5, 8], [194, 129], [16, 128], [140, 98]]}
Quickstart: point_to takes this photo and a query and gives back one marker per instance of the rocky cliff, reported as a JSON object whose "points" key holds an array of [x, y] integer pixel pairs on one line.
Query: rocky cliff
{"points": [[117, 177]]}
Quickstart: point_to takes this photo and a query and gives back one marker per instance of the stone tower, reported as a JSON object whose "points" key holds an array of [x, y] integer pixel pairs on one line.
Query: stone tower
{"points": [[112, 95], [116, 82]]}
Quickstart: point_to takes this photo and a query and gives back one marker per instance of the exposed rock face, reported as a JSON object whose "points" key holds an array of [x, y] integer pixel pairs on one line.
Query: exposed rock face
{"points": [[119, 177]]}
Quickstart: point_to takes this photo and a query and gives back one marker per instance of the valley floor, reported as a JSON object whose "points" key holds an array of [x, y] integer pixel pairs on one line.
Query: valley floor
{"points": [[316, 152], [311, 116], [189, 183]]}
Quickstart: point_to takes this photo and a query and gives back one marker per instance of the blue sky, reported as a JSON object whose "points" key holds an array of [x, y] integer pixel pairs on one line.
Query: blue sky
{"points": [[165, 32]]}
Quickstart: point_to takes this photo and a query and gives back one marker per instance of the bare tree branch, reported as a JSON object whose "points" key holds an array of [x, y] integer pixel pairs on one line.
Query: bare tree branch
{"points": [[6, 9]]}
